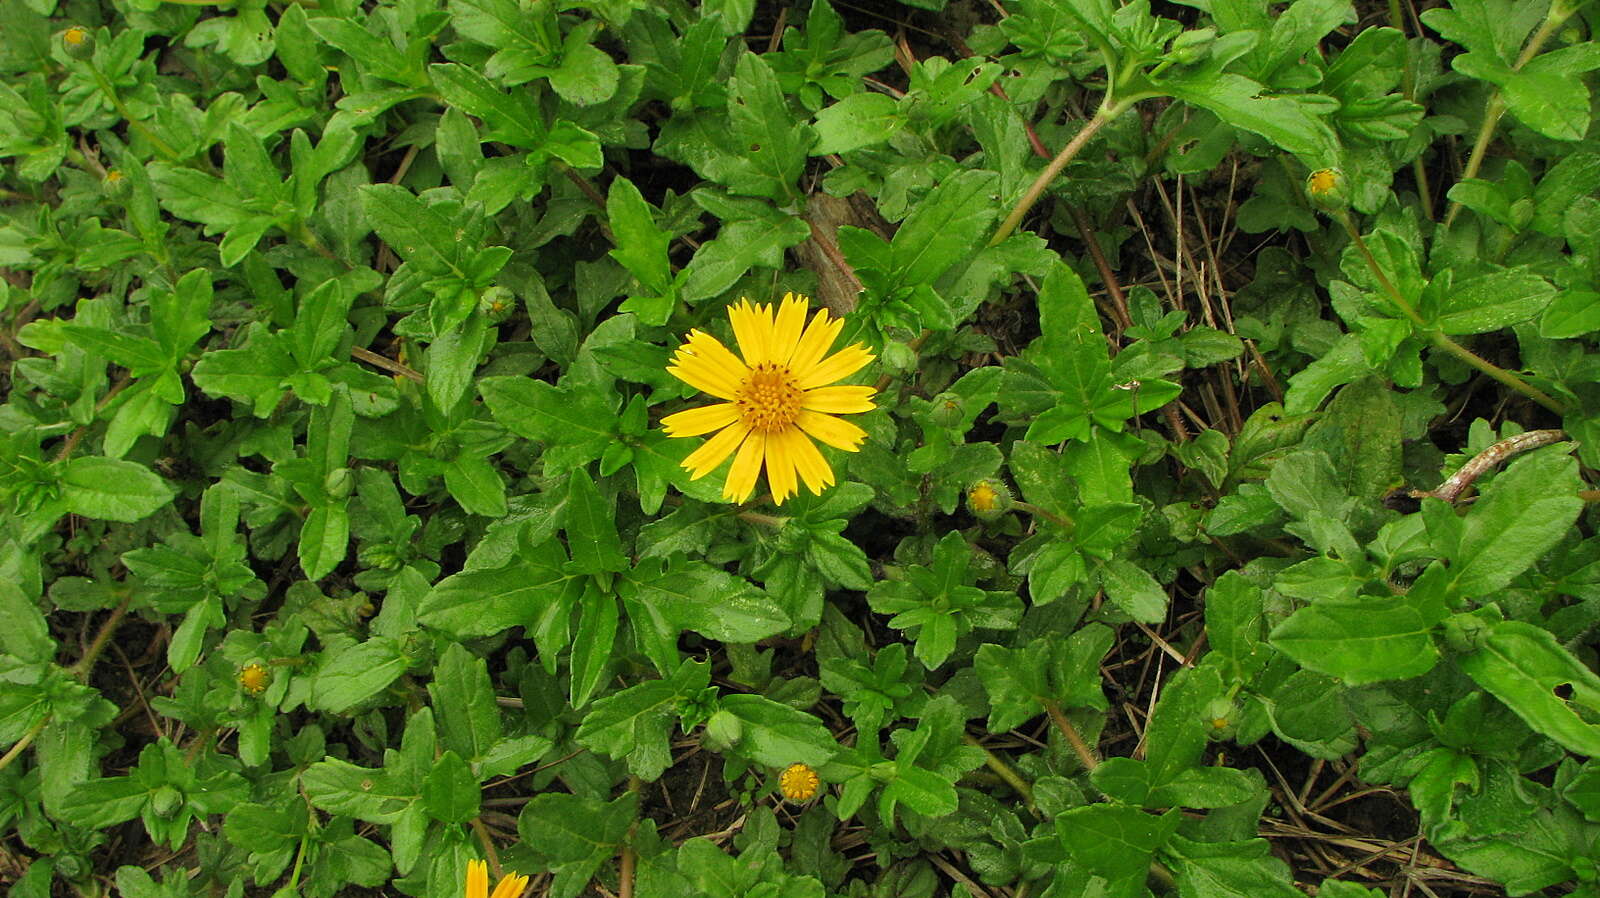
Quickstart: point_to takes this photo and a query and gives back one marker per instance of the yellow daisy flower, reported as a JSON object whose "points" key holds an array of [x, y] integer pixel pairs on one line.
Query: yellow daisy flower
{"points": [[777, 398], [798, 782], [511, 885]]}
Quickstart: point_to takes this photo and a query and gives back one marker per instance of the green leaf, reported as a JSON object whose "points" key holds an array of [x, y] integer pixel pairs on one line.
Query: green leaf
{"points": [[463, 699], [778, 735], [112, 490], [485, 602], [1523, 512], [1132, 589], [581, 422], [1524, 666], [358, 673], [324, 540], [857, 121], [1292, 122], [641, 246], [26, 635], [1552, 103], [1367, 639], [772, 145], [415, 231], [586, 76], [1114, 841], [634, 723], [593, 644], [591, 529], [575, 835], [1494, 301], [713, 603], [450, 793], [945, 229]]}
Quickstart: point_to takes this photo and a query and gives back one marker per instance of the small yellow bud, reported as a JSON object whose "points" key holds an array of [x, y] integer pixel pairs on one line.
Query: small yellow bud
{"points": [[78, 41], [1328, 188], [799, 782], [254, 678], [988, 499]]}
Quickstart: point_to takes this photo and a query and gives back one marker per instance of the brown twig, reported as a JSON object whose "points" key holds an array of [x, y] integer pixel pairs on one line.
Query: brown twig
{"points": [[1487, 460]]}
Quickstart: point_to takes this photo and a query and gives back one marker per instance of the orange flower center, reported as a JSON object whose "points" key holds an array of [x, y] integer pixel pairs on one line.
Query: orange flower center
{"points": [[769, 399]]}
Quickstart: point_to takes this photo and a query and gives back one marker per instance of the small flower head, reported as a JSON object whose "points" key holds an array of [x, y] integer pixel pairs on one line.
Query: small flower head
{"points": [[798, 782], [254, 678], [78, 41], [1328, 188], [510, 886], [988, 499], [778, 398]]}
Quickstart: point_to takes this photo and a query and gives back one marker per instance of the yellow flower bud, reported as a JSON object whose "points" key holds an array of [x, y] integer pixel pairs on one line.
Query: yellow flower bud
{"points": [[1328, 188], [988, 499], [254, 678], [78, 41]]}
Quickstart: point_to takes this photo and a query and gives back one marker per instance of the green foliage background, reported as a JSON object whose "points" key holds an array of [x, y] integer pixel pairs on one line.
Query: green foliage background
{"points": [[335, 339]]}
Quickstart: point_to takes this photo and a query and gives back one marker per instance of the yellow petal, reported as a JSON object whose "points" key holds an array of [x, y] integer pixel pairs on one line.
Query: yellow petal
{"points": [[746, 466], [704, 460], [696, 421], [836, 432], [819, 335], [477, 879], [510, 886], [838, 366], [752, 326], [780, 465], [786, 330], [708, 366], [845, 400], [813, 468]]}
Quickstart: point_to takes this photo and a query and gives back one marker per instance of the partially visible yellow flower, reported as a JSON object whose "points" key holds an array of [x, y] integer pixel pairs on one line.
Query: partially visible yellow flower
{"points": [[75, 36], [510, 886], [254, 678], [798, 782], [777, 398]]}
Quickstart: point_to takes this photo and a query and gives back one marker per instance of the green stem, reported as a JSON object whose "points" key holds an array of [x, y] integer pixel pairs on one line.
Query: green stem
{"points": [[22, 744], [1005, 772], [1079, 747], [110, 91], [1438, 338], [1408, 89], [79, 671], [1062, 521], [1103, 116], [1496, 105], [101, 639]]}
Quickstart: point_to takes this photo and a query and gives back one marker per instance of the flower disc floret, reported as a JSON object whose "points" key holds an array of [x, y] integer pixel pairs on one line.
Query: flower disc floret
{"points": [[780, 395]]}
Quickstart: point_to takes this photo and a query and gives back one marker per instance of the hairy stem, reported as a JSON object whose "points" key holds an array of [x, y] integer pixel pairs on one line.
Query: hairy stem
{"points": [[1102, 117], [1006, 773], [1438, 338], [1496, 105]]}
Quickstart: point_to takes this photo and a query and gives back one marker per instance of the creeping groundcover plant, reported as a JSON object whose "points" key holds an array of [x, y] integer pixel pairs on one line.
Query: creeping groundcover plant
{"points": [[803, 448]]}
